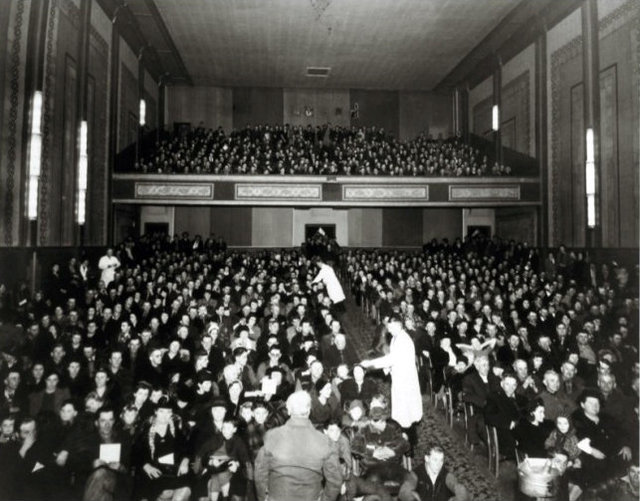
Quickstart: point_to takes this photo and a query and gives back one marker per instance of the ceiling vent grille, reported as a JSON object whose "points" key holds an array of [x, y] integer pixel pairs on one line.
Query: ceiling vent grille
{"points": [[318, 71]]}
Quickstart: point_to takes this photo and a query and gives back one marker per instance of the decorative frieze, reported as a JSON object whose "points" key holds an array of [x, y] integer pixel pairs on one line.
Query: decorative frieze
{"points": [[484, 193], [284, 192], [175, 191], [388, 193]]}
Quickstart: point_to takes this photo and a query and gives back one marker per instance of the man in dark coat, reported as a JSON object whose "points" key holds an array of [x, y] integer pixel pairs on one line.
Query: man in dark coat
{"points": [[476, 386], [503, 411]]}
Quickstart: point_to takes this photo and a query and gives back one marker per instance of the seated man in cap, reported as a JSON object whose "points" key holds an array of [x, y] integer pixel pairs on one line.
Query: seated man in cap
{"points": [[380, 447], [432, 481]]}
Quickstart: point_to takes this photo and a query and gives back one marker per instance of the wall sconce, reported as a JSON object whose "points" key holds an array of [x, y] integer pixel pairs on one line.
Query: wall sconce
{"points": [[143, 112], [590, 179], [495, 118], [35, 156], [83, 164]]}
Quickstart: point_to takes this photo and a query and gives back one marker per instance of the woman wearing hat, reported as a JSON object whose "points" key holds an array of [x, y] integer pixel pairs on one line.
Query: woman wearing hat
{"points": [[163, 459]]}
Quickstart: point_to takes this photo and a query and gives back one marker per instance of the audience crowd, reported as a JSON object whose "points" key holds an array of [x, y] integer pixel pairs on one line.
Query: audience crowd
{"points": [[324, 150], [542, 348], [156, 372]]}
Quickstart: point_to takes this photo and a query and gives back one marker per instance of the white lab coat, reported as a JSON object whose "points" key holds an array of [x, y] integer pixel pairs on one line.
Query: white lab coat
{"points": [[406, 399], [331, 282], [108, 266]]}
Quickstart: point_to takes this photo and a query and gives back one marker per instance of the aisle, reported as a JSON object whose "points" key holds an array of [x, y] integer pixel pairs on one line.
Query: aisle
{"points": [[469, 467]]}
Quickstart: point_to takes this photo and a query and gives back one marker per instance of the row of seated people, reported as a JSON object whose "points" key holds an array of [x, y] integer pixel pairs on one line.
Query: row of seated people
{"points": [[162, 383], [551, 364], [327, 150]]}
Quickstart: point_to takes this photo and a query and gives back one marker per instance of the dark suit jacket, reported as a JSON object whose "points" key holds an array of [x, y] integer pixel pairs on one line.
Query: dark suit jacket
{"points": [[506, 356], [501, 410], [35, 400], [349, 391], [475, 389]]}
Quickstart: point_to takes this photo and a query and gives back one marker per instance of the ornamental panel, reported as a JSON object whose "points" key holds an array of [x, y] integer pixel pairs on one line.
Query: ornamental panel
{"points": [[282, 192], [404, 193], [488, 193], [177, 191]]}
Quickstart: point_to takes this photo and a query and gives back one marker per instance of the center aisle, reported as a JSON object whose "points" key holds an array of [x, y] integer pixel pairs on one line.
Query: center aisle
{"points": [[470, 468]]}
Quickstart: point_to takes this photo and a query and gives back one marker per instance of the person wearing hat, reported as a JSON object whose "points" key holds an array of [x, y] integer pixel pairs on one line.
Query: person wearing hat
{"points": [[406, 399], [381, 446], [285, 471], [355, 419], [163, 461]]}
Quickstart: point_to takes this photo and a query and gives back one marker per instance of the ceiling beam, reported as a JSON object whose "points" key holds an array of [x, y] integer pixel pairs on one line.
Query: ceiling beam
{"points": [[155, 13], [518, 29]]}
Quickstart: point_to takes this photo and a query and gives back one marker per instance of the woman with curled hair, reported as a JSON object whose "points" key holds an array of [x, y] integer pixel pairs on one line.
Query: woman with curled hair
{"points": [[532, 430]]}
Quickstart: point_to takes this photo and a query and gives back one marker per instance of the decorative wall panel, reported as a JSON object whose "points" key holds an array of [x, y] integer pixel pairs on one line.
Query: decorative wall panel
{"points": [[11, 128], [282, 192], [484, 193], [515, 107], [610, 182], [48, 114], [97, 203], [68, 159], [128, 107], [388, 193], [175, 191]]}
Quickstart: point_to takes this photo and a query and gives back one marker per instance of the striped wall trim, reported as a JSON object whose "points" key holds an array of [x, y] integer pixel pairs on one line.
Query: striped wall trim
{"points": [[388, 193], [284, 192], [175, 191], [484, 193]]}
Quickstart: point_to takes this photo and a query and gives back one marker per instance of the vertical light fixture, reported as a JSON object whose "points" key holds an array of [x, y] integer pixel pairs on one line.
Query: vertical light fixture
{"points": [[495, 117], [83, 164], [590, 179], [143, 112], [35, 156]]}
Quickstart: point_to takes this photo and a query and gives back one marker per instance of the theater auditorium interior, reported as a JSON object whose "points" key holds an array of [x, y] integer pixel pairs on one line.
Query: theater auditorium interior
{"points": [[294, 250]]}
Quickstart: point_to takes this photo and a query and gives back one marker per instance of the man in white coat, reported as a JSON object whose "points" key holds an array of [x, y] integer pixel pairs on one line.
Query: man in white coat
{"points": [[406, 400], [108, 264], [332, 284]]}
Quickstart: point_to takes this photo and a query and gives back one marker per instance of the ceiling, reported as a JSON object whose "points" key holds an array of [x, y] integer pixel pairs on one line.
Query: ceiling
{"points": [[368, 44]]}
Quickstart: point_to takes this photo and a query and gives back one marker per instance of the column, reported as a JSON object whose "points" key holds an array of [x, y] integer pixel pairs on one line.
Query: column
{"points": [[591, 85], [464, 110], [141, 129], [162, 88], [113, 113], [497, 98], [541, 133]]}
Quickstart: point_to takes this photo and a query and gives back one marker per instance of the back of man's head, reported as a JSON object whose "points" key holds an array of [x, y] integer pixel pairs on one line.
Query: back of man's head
{"points": [[299, 404]]}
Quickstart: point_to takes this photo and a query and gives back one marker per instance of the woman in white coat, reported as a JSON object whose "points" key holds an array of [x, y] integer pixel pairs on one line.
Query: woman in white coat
{"points": [[406, 399]]}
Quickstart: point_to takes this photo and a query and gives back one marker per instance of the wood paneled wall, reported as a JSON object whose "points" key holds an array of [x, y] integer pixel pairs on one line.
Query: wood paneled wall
{"points": [[324, 106], [258, 105], [284, 226]]}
